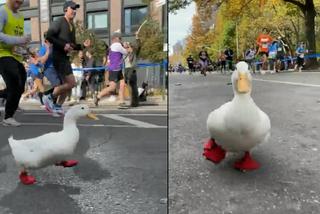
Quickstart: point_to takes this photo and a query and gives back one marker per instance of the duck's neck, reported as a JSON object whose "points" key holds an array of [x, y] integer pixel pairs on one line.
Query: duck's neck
{"points": [[243, 97], [69, 123]]}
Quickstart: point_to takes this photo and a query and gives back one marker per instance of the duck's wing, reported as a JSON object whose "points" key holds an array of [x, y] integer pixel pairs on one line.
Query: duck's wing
{"points": [[216, 119], [27, 150]]}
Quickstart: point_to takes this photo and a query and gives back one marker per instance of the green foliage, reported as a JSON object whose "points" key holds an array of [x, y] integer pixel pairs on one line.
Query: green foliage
{"points": [[96, 44], [175, 5], [152, 40]]}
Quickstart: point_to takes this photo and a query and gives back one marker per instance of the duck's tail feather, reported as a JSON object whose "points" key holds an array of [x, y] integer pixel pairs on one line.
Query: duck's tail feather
{"points": [[11, 141]]}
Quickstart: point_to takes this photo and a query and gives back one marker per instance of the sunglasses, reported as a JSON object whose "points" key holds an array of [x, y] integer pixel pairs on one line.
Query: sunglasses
{"points": [[74, 8]]}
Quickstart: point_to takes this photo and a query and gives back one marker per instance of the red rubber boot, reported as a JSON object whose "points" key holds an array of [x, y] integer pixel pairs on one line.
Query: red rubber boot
{"points": [[213, 152], [68, 163], [26, 179], [246, 163]]}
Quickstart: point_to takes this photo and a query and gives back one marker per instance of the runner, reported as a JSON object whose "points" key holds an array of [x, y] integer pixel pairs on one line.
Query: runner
{"points": [[62, 36], [12, 43], [116, 53]]}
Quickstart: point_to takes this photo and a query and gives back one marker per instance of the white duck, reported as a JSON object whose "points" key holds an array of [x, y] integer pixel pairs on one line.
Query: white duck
{"points": [[238, 125], [50, 148]]}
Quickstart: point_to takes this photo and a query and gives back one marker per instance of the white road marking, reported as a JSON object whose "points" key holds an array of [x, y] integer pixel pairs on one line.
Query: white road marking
{"points": [[130, 121], [153, 115], [289, 83], [89, 125]]}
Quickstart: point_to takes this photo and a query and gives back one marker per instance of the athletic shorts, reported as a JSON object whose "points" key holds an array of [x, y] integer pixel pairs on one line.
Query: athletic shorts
{"points": [[115, 76], [300, 61], [63, 67], [51, 74]]}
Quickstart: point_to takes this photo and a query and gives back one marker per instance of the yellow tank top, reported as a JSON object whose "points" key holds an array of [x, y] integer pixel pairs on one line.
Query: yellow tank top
{"points": [[13, 27]]}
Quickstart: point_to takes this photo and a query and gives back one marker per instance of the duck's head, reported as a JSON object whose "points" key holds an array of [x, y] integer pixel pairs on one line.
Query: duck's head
{"points": [[77, 111], [241, 79]]}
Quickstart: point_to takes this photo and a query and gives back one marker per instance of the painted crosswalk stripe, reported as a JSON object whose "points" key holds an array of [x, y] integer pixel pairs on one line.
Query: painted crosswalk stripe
{"points": [[130, 121]]}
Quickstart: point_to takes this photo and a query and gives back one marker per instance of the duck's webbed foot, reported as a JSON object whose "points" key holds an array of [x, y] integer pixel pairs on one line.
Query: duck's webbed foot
{"points": [[213, 152]]}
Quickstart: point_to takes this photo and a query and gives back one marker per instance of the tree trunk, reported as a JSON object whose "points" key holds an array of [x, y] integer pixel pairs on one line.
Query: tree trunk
{"points": [[310, 14]]}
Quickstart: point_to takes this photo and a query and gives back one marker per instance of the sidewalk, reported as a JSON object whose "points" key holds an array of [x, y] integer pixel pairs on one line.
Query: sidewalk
{"points": [[110, 103]]}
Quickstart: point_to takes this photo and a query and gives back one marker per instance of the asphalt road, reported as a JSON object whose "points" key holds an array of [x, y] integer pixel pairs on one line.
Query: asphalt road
{"points": [[122, 166], [289, 177]]}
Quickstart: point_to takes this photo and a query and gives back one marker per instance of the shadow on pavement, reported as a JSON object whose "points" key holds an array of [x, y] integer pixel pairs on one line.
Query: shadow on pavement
{"points": [[89, 169], [49, 198]]}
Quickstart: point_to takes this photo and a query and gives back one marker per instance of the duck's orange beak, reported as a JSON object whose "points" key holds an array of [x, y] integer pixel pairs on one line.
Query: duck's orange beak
{"points": [[243, 84], [92, 116]]}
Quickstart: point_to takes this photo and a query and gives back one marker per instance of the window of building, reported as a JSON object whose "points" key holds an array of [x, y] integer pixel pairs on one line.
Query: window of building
{"points": [[57, 1], [97, 20], [26, 3], [27, 27], [133, 18]]}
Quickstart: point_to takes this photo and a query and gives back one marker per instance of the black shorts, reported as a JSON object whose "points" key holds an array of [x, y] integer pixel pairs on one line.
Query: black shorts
{"points": [[115, 76], [300, 61], [62, 67]]}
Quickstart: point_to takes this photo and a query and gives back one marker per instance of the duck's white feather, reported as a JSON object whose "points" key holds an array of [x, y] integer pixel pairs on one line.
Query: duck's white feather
{"points": [[239, 125], [49, 148]]}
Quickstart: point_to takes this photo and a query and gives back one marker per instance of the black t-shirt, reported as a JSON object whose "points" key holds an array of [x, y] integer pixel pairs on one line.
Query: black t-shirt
{"points": [[190, 60], [59, 34], [229, 54]]}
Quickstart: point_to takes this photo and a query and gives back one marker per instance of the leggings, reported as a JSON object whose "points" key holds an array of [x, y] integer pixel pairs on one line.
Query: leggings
{"points": [[14, 75]]}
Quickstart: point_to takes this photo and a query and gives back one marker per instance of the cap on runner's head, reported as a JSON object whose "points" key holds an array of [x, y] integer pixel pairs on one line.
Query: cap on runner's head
{"points": [[71, 4]]}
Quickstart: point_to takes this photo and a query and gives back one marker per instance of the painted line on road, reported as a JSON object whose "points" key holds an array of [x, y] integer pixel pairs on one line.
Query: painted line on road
{"points": [[89, 125], [289, 83], [130, 121]]}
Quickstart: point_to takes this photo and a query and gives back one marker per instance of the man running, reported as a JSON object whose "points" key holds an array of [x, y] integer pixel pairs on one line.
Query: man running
{"points": [[12, 44], [62, 36], [116, 53]]}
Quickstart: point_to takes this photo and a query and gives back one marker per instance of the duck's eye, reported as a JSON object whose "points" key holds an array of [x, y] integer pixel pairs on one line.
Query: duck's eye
{"points": [[82, 107]]}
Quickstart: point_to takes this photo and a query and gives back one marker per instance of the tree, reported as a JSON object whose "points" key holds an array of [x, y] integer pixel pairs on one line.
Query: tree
{"points": [[152, 39], [175, 5], [309, 11], [97, 44]]}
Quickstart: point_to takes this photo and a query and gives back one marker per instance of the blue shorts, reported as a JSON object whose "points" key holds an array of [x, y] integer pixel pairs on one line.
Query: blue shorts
{"points": [[51, 74]]}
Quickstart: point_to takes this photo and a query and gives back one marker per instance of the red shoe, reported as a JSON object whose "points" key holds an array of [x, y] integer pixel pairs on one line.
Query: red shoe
{"points": [[68, 163], [26, 179], [210, 144], [214, 152], [246, 163]]}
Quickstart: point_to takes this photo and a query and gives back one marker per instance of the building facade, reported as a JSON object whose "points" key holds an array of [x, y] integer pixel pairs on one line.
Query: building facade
{"points": [[102, 17]]}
